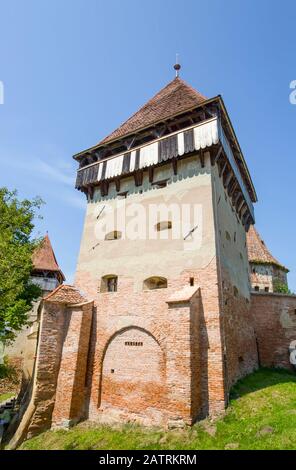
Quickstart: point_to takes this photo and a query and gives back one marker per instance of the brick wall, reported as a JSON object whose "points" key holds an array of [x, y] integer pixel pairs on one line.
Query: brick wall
{"points": [[59, 389], [70, 390], [47, 366], [275, 327], [181, 348], [241, 356]]}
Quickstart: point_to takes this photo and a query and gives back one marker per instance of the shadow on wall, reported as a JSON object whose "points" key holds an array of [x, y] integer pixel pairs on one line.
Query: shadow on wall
{"points": [[91, 362], [146, 185]]}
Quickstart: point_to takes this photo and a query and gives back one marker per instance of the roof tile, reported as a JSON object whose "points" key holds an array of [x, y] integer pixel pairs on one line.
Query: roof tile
{"points": [[258, 251], [44, 258], [66, 294], [173, 99]]}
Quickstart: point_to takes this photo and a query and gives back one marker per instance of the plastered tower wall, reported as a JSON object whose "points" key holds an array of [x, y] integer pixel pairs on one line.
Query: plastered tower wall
{"points": [[239, 345], [134, 315]]}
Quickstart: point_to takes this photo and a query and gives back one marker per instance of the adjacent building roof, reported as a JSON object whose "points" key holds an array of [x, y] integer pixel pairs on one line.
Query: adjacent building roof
{"points": [[66, 294], [175, 98], [258, 251], [183, 295], [44, 258]]}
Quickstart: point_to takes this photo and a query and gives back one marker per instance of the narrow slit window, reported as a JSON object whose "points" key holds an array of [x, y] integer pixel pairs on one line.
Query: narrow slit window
{"points": [[227, 235]]}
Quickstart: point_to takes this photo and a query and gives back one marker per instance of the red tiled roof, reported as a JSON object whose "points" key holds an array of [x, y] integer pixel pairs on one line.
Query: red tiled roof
{"points": [[173, 99], [258, 251], [44, 258], [66, 294]]}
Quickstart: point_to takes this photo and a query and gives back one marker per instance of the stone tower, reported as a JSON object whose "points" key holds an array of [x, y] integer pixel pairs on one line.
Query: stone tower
{"points": [[163, 254], [266, 273], [46, 272]]}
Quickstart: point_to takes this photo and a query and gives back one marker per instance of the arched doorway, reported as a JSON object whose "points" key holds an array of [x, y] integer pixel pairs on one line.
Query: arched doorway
{"points": [[133, 373]]}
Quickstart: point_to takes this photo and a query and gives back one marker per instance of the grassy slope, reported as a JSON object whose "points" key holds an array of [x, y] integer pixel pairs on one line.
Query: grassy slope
{"points": [[262, 415], [5, 396]]}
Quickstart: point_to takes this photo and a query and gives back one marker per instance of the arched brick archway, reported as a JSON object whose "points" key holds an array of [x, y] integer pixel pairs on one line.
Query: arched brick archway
{"points": [[133, 372]]}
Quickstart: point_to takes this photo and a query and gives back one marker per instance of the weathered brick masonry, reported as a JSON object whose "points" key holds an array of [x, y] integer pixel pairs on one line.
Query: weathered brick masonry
{"points": [[275, 325], [165, 326], [59, 391]]}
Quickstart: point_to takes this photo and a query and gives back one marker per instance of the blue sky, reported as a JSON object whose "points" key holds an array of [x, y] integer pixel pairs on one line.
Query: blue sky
{"points": [[73, 70]]}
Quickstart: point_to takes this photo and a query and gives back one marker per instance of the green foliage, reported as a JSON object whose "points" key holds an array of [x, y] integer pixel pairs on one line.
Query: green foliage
{"points": [[5, 396], [261, 415], [16, 249], [281, 288]]}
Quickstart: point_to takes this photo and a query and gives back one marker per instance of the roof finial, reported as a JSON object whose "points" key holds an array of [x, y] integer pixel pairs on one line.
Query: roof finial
{"points": [[177, 66]]}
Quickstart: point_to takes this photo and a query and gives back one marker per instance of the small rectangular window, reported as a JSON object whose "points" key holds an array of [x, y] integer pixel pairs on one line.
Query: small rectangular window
{"points": [[191, 281], [266, 289], [112, 284], [108, 284]]}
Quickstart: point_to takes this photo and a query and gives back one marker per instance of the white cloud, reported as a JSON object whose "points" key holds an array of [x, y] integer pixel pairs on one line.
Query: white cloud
{"points": [[55, 173], [60, 171]]}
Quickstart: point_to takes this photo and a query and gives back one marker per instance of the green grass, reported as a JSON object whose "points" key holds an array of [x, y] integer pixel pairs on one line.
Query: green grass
{"points": [[261, 415], [5, 396]]}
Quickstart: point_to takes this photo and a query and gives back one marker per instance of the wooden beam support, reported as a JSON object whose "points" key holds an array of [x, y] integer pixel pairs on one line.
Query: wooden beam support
{"points": [[232, 188], [222, 169], [151, 173], [128, 143], [245, 217], [215, 158], [202, 158], [236, 198], [175, 166], [104, 188], [90, 192], [138, 177], [158, 131], [228, 179], [239, 207], [243, 212], [117, 184]]}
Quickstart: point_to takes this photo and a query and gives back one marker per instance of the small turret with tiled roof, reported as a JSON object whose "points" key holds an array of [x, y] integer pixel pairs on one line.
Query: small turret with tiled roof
{"points": [[266, 272], [46, 271]]}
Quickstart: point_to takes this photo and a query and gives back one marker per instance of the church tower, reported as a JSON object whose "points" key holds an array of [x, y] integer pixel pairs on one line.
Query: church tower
{"points": [[267, 274], [164, 256], [46, 271]]}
